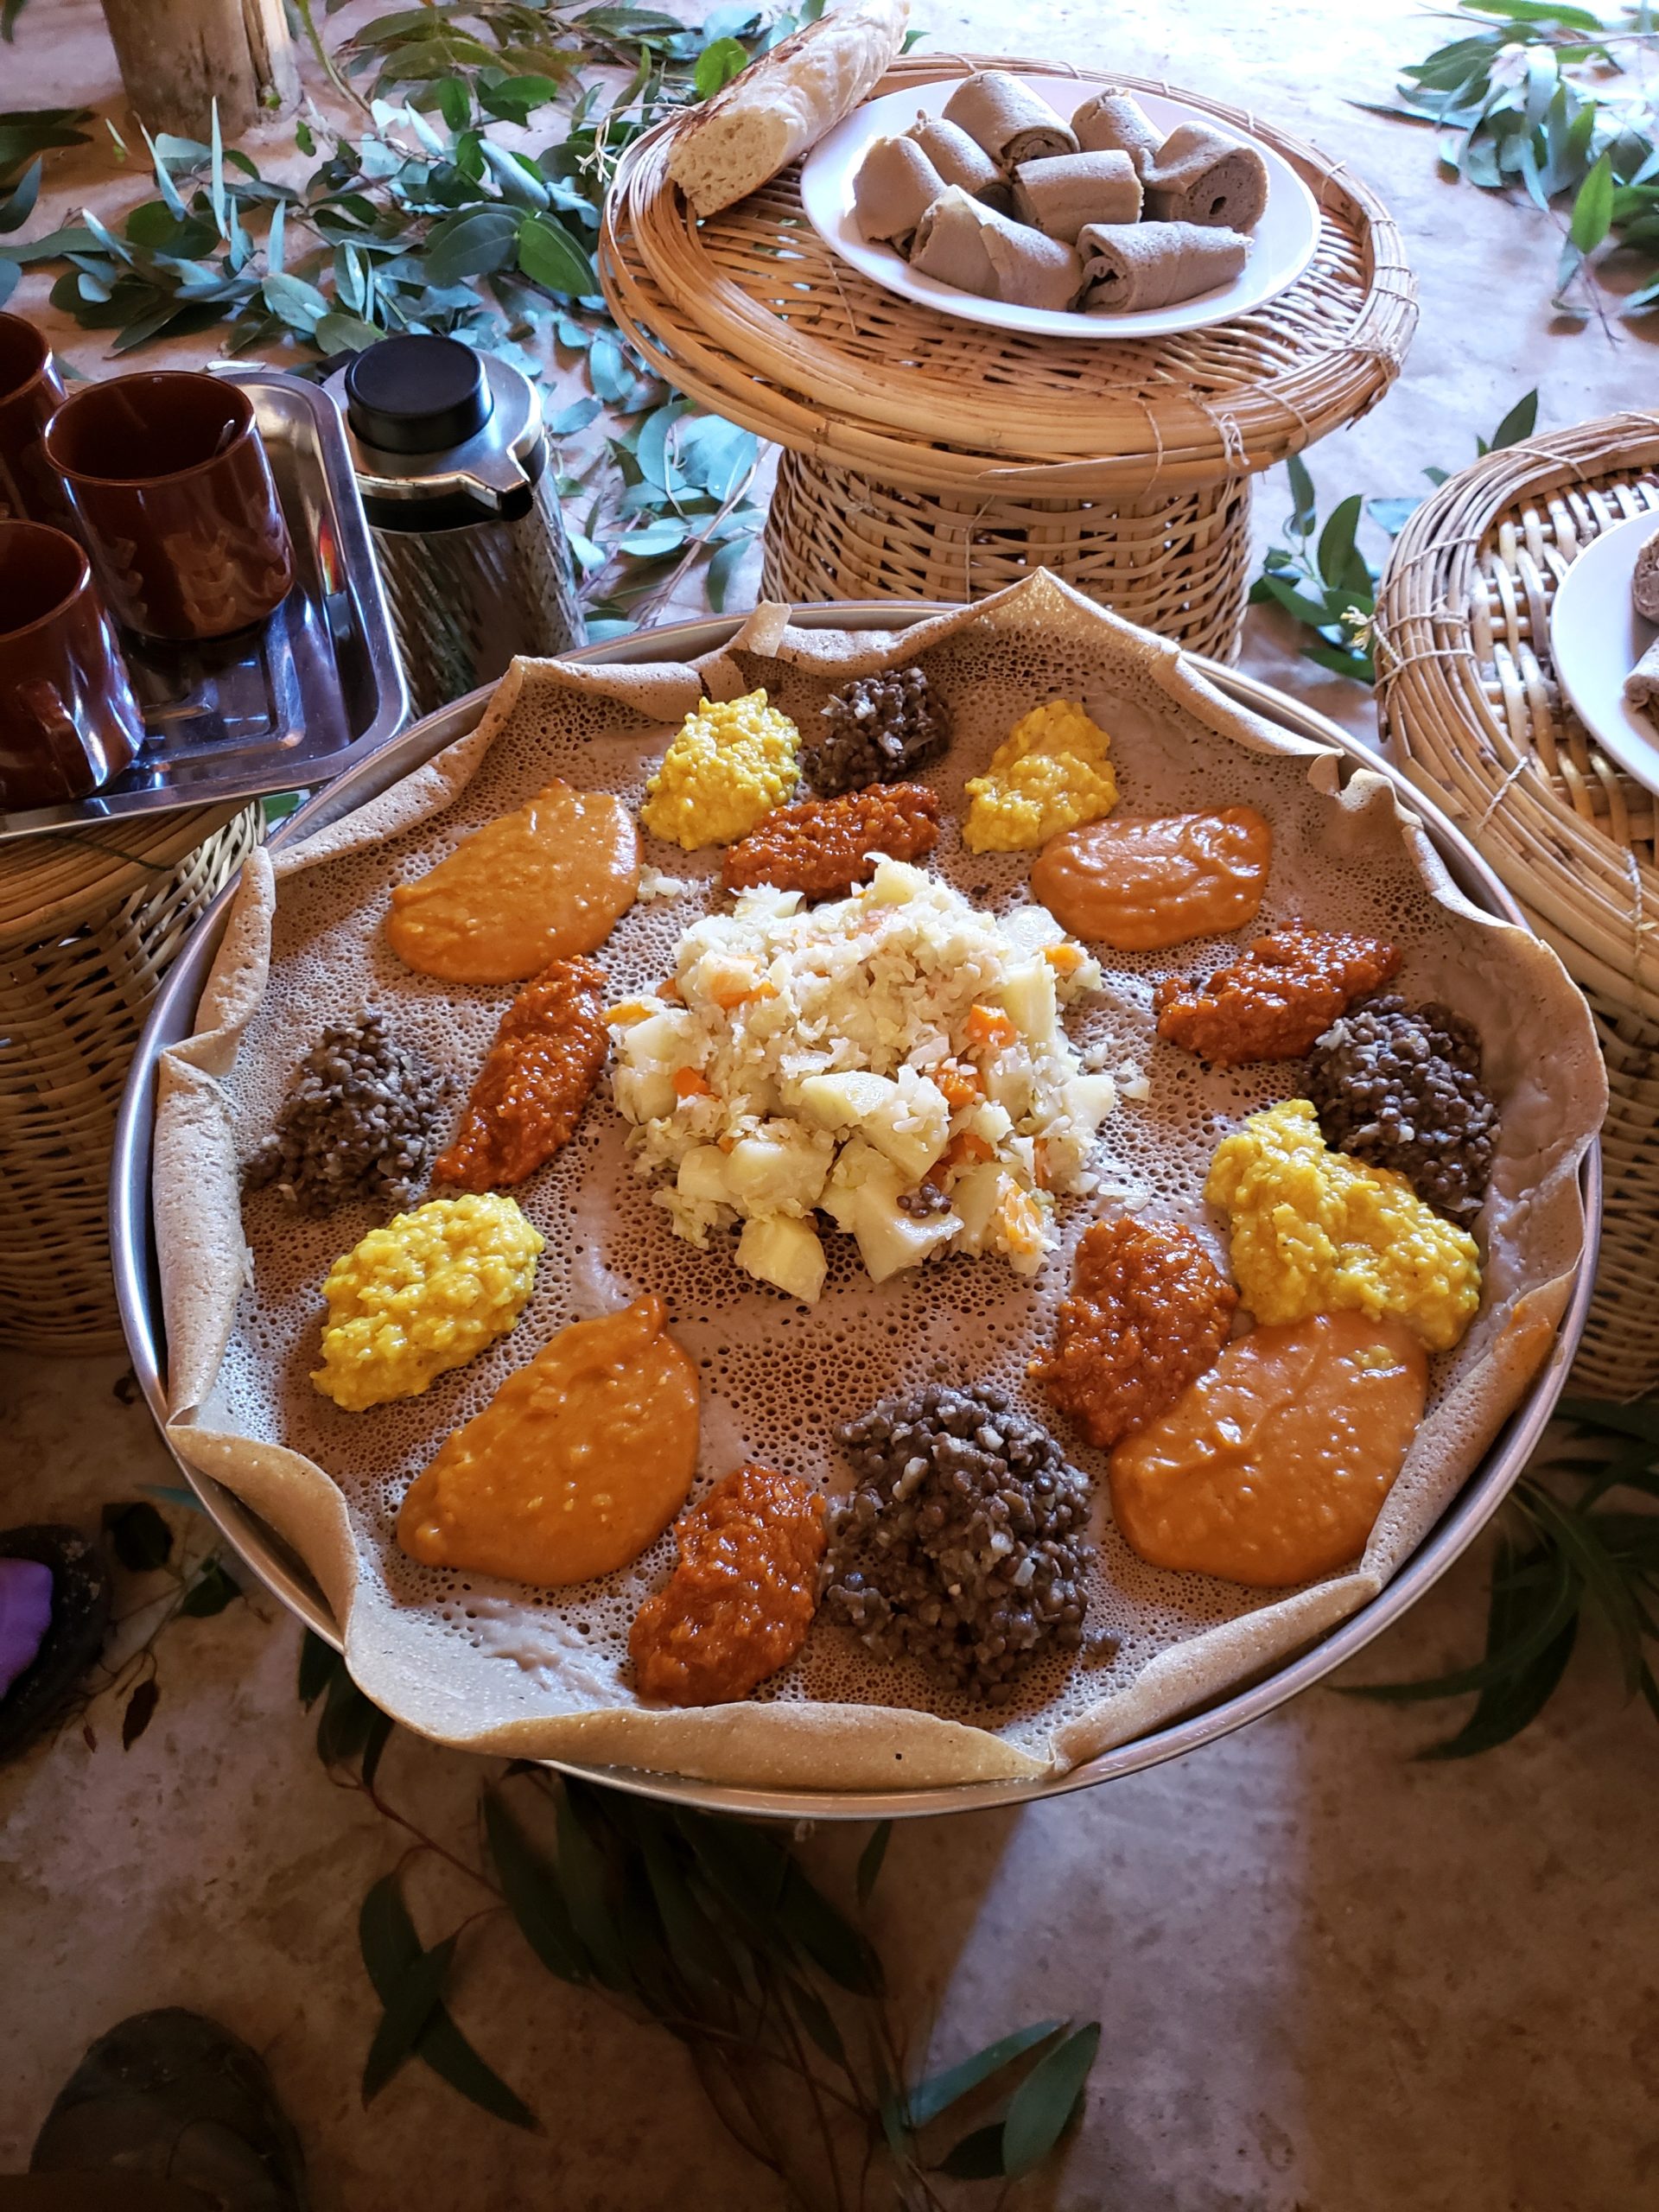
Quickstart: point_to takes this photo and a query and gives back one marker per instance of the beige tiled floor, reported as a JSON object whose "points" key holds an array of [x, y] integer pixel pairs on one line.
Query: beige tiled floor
{"points": [[1331, 1980]]}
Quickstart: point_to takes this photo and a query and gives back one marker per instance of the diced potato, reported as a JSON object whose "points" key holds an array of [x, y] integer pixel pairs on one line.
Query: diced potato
{"points": [[1027, 996], [888, 1239], [1091, 1098], [989, 1121], [855, 1161], [895, 883], [1008, 1080], [911, 1127], [643, 1094], [1030, 928], [839, 1102], [783, 1251], [976, 1198], [704, 1176], [662, 1040], [774, 1173]]}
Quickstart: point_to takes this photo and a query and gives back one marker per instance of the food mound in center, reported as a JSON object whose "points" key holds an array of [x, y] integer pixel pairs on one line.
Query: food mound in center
{"points": [[893, 1059]]}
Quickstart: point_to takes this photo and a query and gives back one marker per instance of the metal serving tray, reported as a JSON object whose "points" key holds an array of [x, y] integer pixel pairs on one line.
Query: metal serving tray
{"points": [[139, 1290], [294, 702]]}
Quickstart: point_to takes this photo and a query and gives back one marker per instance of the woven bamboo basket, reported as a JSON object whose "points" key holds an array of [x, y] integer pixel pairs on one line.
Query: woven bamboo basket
{"points": [[937, 457], [89, 924], [1471, 711]]}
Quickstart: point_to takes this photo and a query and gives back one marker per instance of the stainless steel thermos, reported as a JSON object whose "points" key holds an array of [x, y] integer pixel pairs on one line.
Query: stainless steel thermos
{"points": [[451, 456]]}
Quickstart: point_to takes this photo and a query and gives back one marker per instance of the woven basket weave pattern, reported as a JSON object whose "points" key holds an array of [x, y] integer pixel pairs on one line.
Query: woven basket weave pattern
{"points": [[1471, 709], [1177, 566], [919, 441], [73, 1001]]}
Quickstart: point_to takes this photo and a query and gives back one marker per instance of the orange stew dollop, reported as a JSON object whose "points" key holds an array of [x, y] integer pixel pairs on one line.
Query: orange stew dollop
{"points": [[532, 1087], [1272, 1466]]}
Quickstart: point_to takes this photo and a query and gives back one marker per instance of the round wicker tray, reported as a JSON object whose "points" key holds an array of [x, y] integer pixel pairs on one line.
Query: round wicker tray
{"points": [[931, 455], [1471, 711], [90, 921]]}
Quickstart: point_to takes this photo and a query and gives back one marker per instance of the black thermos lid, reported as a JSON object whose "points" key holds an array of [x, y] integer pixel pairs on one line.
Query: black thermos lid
{"points": [[416, 395]]}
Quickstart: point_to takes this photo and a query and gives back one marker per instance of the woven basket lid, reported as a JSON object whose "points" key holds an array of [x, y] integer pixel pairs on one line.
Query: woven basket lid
{"points": [[752, 314], [1472, 708], [52, 883]]}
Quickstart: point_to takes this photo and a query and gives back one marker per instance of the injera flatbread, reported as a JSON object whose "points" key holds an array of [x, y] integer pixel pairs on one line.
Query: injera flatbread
{"points": [[498, 1666]]}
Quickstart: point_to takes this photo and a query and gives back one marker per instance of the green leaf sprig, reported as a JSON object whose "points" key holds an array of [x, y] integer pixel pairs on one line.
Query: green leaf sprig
{"points": [[1554, 101], [713, 1931], [1570, 1552], [1320, 576]]}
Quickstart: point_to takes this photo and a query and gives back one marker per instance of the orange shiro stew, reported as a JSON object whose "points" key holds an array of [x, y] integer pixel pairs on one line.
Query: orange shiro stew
{"points": [[579, 1461], [1139, 884], [547, 881], [1273, 1467]]}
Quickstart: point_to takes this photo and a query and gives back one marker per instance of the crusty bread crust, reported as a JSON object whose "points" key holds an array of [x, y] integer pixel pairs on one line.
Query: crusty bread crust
{"points": [[783, 103]]}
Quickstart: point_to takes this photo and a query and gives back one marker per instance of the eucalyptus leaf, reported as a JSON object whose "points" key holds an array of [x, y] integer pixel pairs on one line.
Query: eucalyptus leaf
{"points": [[549, 255], [870, 1859], [471, 243], [940, 2091], [977, 2157], [717, 65], [533, 1894], [139, 1712], [318, 1664], [409, 2006], [210, 1593], [609, 373], [18, 205], [1047, 2102], [1593, 210], [139, 1537], [717, 582], [583, 1874]]}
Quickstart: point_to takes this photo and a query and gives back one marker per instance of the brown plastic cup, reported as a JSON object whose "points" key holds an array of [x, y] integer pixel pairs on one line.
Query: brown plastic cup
{"points": [[31, 392], [69, 721], [175, 497]]}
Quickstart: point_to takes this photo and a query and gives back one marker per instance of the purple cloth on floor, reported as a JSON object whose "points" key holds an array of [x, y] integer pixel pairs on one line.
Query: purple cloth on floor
{"points": [[25, 1615]]}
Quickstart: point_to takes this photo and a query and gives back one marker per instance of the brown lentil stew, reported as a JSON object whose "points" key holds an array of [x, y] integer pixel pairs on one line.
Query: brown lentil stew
{"points": [[963, 1545], [1283, 991], [1148, 1312], [535, 1082], [1402, 1089], [739, 1604], [822, 847], [359, 1123], [877, 729]]}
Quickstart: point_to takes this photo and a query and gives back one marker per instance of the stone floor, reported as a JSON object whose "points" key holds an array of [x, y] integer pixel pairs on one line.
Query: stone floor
{"points": [[1331, 1980]]}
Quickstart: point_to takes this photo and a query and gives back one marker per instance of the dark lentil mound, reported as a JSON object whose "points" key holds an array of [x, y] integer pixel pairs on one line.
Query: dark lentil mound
{"points": [[359, 1123], [1401, 1089], [876, 729], [964, 1544]]}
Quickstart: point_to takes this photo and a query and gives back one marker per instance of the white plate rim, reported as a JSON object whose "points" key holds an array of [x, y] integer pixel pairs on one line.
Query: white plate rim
{"points": [[826, 197], [1600, 580]]}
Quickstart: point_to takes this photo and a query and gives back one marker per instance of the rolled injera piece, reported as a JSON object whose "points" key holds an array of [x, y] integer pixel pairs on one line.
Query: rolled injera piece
{"points": [[1202, 175], [1058, 196], [961, 160], [1641, 684], [1008, 120], [895, 184], [1645, 580], [1115, 123], [975, 249], [1131, 265]]}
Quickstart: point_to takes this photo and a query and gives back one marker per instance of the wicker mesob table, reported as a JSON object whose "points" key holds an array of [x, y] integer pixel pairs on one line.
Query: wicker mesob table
{"points": [[929, 458], [1472, 712], [90, 921]]}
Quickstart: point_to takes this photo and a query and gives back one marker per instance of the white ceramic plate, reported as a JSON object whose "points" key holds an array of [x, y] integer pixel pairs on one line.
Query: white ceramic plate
{"points": [[1596, 638], [1282, 244]]}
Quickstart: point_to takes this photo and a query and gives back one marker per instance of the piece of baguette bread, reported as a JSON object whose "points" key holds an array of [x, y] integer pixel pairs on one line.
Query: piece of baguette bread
{"points": [[785, 102]]}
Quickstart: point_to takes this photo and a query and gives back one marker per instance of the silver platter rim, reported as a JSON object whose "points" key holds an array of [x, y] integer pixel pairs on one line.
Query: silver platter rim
{"points": [[284, 1575]]}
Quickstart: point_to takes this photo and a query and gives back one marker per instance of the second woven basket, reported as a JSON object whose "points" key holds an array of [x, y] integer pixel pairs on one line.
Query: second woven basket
{"points": [[1471, 711]]}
